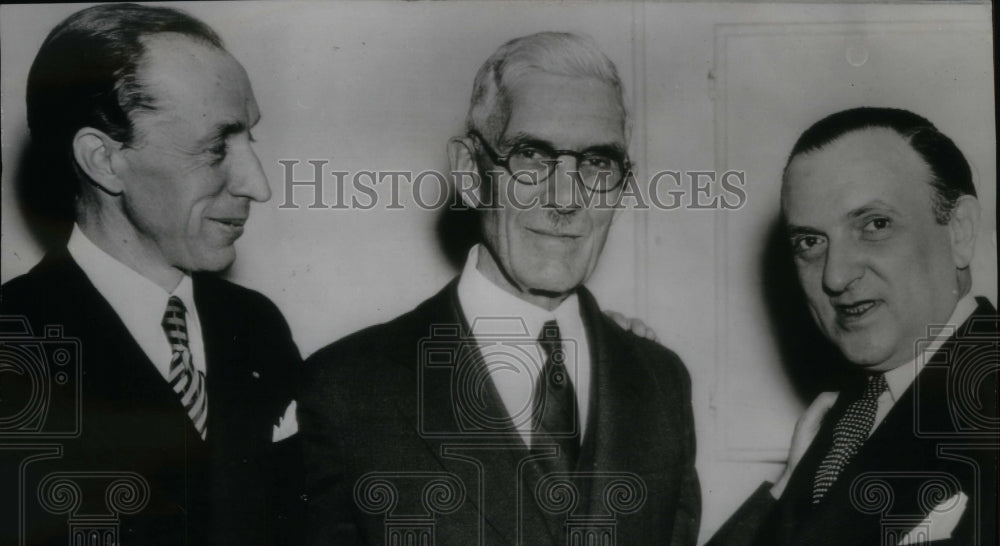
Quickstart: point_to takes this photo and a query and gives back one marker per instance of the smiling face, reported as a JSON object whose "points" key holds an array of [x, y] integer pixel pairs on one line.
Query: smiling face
{"points": [[544, 251], [190, 175], [876, 267]]}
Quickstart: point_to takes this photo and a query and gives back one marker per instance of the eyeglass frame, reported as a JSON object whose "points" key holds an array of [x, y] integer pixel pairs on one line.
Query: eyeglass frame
{"points": [[504, 161]]}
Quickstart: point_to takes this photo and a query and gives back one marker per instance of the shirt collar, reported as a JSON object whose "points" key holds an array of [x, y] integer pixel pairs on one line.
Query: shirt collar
{"points": [[133, 297], [901, 377], [489, 308]]}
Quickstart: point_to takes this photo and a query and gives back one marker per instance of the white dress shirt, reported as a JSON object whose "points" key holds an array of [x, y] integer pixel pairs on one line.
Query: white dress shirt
{"points": [[901, 377], [139, 302], [506, 329]]}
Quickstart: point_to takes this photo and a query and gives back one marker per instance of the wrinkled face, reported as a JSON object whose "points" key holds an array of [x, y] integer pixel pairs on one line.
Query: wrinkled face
{"points": [[191, 173], [876, 267], [550, 246]]}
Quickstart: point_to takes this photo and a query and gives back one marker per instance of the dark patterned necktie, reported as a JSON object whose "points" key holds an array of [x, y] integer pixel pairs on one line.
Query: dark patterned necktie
{"points": [[556, 417], [849, 433], [187, 382]]}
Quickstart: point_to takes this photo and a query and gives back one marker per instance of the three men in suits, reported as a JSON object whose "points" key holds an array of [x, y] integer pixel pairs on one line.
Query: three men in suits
{"points": [[183, 379], [507, 409], [882, 216]]}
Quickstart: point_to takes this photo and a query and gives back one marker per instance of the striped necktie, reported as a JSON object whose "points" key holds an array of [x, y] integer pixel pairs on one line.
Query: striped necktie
{"points": [[848, 434], [187, 382]]}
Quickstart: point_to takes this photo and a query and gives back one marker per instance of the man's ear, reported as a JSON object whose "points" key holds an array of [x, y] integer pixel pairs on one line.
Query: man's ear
{"points": [[462, 157], [93, 150], [962, 227]]}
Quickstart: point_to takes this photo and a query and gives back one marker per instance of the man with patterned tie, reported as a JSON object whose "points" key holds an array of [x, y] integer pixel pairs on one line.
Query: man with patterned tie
{"points": [[882, 216], [186, 379], [507, 409]]}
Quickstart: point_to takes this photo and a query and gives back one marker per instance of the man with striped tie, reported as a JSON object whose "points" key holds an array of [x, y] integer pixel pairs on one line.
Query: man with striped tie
{"points": [[186, 380], [882, 215]]}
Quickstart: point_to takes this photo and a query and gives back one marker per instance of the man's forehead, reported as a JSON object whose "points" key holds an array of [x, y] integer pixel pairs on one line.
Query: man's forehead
{"points": [[567, 111], [865, 163], [189, 74]]}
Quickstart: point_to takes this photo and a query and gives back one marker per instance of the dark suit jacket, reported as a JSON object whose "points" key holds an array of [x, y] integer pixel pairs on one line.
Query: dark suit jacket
{"points": [[404, 435], [200, 492], [939, 438]]}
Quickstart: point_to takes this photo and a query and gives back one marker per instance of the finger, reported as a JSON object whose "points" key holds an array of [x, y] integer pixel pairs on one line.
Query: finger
{"points": [[825, 401], [643, 329], [813, 416]]}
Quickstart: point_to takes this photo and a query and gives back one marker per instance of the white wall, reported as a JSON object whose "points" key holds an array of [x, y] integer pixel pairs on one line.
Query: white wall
{"points": [[381, 86]]}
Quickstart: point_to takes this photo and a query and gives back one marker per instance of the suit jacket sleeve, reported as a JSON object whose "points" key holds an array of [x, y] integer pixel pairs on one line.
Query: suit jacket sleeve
{"points": [[688, 515], [742, 527], [270, 344], [286, 480], [322, 405]]}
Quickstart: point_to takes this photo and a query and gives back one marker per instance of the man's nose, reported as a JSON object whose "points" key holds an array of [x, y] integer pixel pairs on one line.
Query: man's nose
{"points": [[565, 185], [247, 178], [843, 266]]}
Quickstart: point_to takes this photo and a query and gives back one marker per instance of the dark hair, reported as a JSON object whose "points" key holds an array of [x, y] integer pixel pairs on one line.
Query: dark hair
{"points": [[951, 175], [85, 76]]}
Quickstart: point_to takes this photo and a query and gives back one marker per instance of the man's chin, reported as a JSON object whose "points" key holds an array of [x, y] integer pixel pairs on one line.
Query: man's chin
{"points": [[866, 354], [215, 262], [551, 292], [553, 287], [554, 278]]}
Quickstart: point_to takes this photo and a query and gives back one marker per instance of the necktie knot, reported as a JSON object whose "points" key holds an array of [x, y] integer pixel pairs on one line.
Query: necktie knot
{"points": [[875, 387], [550, 339], [174, 317]]}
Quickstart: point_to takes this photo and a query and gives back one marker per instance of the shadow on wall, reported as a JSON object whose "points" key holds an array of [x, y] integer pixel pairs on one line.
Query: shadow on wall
{"points": [[811, 362], [44, 193], [457, 231]]}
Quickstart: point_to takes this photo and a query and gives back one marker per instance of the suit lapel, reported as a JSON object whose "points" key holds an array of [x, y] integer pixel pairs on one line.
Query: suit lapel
{"points": [[896, 438], [893, 446], [460, 429], [615, 398], [117, 367], [229, 377], [633, 427]]}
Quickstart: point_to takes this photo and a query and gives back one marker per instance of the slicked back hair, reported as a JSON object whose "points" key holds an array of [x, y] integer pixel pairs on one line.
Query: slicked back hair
{"points": [[951, 176], [559, 53], [84, 75]]}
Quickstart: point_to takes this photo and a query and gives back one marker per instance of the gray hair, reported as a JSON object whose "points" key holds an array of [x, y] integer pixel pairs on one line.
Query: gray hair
{"points": [[560, 53]]}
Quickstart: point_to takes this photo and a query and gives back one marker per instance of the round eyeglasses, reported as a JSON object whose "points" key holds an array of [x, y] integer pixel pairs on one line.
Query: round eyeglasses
{"points": [[601, 169]]}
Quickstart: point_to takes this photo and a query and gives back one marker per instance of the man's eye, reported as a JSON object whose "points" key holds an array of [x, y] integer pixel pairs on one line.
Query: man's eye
{"points": [[876, 225], [530, 154], [806, 244], [219, 151], [599, 162], [877, 229]]}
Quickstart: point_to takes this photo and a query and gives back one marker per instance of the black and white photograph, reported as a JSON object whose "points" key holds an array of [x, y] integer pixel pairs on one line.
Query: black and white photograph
{"points": [[498, 273]]}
